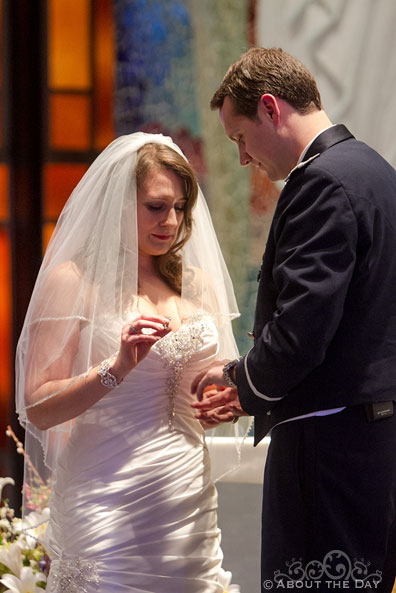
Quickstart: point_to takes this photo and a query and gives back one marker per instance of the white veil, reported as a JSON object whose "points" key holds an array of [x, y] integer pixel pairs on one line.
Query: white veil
{"points": [[90, 272]]}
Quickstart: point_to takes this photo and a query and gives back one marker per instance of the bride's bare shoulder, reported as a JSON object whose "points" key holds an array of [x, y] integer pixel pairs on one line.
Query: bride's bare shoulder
{"points": [[66, 272], [60, 284]]}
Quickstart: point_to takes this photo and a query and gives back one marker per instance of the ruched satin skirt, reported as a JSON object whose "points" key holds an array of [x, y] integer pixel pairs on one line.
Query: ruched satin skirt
{"points": [[147, 525]]}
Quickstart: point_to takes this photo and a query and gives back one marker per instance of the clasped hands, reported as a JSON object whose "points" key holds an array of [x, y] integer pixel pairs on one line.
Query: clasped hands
{"points": [[216, 402]]}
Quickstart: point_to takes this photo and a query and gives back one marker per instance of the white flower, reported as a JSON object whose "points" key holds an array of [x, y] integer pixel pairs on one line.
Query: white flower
{"points": [[12, 558], [5, 512], [32, 528], [25, 584], [224, 577], [4, 525]]}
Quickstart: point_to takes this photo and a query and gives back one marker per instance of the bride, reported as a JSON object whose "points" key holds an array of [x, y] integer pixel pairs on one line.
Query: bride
{"points": [[133, 299]]}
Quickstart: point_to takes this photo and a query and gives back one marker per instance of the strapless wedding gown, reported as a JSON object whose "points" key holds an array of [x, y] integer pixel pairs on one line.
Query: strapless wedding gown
{"points": [[133, 507]]}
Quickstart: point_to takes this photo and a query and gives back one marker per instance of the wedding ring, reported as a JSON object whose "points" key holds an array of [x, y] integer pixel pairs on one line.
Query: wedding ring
{"points": [[133, 330]]}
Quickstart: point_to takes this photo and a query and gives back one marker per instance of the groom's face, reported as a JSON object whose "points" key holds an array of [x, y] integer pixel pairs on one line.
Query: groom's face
{"points": [[256, 139]]}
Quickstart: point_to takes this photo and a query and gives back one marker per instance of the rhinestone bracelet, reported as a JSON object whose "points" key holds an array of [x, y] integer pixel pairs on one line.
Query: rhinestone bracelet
{"points": [[106, 378]]}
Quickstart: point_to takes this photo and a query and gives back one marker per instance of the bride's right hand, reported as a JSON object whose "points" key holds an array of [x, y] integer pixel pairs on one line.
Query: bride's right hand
{"points": [[136, 343]]}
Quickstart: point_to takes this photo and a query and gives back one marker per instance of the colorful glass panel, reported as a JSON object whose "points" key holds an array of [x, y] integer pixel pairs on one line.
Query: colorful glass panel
{"points": [[48, 229], [70, 122], [5, 325], [4, 192], [104, 73], [69, 44], [155, 86], [1, 73], [1, 43], [59, 181]]}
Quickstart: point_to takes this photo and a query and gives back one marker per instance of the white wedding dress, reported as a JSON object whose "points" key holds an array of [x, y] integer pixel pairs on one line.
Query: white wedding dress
{"points": [[133, 507]]}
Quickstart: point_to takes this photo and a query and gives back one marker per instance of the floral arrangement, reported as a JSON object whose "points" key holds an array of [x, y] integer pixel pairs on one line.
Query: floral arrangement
{"points": [[24, 563]]}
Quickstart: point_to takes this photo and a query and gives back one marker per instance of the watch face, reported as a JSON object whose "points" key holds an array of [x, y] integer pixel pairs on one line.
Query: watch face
{"points": [[228, 374]]}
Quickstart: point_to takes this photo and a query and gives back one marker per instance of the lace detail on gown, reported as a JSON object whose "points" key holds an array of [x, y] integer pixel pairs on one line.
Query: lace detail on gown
{"points": [[73, 576], [177, 348]]}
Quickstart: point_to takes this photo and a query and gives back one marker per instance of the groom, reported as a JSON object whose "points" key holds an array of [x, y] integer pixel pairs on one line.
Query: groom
{"points": [[321, 375]]}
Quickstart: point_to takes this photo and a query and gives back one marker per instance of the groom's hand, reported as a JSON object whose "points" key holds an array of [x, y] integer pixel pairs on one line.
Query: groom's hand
{"points": [[214, 417], [218, 404], [213, 376]]}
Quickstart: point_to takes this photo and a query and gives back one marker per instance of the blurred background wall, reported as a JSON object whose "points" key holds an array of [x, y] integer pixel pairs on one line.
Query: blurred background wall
{"points": [[74, 75]]}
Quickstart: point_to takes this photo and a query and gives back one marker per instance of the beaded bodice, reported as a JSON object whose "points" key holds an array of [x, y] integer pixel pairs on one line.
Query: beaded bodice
{"points": [[159, 388], [176, 349]]}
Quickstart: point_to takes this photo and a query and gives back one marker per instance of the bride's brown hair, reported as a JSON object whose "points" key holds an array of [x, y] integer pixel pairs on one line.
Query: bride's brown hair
{"points": [[152, 157]]}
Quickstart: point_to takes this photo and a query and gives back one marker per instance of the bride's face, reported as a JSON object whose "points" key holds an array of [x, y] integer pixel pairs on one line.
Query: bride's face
{"points": [[161, 201]]}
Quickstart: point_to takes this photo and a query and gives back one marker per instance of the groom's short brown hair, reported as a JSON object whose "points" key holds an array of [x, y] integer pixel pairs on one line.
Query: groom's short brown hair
{"points": [[260, 71]]}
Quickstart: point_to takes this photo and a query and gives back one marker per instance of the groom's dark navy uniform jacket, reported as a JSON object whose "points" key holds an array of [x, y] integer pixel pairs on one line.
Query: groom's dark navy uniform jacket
{"points": [[325, 324], [325, 338]]}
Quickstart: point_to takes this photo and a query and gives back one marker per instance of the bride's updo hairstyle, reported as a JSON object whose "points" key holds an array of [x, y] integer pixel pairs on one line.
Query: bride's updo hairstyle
{"points": [[152, 157]]}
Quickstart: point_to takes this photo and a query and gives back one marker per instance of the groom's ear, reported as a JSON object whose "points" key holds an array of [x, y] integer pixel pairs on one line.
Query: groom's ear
{"points": [[268, 108]]}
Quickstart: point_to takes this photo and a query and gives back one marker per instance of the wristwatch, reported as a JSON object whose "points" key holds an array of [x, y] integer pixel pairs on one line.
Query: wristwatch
{"points": [[229, 372]]}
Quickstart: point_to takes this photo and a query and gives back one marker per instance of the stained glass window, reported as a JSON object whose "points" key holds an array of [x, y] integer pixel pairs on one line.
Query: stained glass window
{"points": [[5, 258], [80, 97], [69, 44], [5, 325], [4, 193], [70, 122]]}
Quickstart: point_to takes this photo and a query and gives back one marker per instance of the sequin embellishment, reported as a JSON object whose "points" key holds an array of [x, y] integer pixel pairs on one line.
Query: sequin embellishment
{"points": [[177, 348], [72, 576]]}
